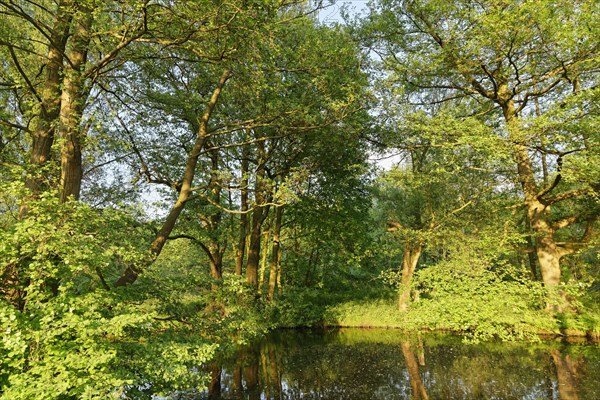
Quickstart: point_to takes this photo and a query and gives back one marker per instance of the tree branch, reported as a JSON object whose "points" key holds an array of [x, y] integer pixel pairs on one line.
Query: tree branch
{"points": [[24, 75], [564, 222], [571, 194], [195, 240], [567, 248]]}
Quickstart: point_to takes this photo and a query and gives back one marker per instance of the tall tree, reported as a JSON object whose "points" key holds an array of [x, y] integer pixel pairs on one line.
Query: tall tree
{"points": [[293, 93], [442, 177], [57, 52], [508, 62]]}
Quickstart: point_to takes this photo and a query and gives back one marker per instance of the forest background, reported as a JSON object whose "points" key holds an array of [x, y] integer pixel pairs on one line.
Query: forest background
{"points": [[178, 178]]}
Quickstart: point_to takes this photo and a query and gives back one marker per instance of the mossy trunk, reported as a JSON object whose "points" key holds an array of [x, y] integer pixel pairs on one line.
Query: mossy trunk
{"points": [[72, 103], [275, 254], [410, 259]]}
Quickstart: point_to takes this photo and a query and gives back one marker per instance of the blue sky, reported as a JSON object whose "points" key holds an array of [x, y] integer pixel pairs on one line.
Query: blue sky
{"points": [[332, 13]]}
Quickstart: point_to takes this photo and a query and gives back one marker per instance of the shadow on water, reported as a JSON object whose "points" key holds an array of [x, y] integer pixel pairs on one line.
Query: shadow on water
{"points": [[385, 364]]}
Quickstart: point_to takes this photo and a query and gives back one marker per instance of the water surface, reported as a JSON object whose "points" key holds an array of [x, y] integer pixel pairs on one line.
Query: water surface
{"points": [[386, 364]]}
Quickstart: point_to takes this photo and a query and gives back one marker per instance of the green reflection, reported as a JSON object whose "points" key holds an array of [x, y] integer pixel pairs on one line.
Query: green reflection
{"points": [[386, 364]]}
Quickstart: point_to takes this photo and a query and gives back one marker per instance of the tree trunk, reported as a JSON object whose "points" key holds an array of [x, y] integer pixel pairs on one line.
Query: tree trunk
{"points": [[261, 210], [275, 254], [253, 256], [131, 273], [255, 244], [214, 246], [410, 260], [72, 103], [243, 236], [547, 251], [216, 260], [263, 260], [279, 285], [43, 135], [531, 252]]}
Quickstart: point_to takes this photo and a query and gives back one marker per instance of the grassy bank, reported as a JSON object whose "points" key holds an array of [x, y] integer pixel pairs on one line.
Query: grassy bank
{"points": [[477, 317], [475, 325]]}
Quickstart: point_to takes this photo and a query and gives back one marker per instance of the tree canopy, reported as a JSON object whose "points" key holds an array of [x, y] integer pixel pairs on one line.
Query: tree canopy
{"points": [[178, 178]]}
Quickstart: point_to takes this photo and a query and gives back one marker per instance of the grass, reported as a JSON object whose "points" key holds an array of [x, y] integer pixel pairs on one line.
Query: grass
{"points": [[379, 313], [481, 324]]}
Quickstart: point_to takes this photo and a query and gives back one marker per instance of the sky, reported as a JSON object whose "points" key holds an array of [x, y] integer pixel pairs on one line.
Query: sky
{"points": [[332, 13]]}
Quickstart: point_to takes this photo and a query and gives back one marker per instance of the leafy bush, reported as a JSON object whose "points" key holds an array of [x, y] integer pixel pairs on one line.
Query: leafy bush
{"points": [[94, 345], [482, 298], [64, 334], [300, 307]]}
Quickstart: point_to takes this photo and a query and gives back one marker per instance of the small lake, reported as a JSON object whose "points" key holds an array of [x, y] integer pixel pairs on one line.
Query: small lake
{"points": [[387, 364]]}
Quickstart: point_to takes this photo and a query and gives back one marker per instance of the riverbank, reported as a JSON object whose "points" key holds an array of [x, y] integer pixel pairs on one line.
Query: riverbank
{"points": [[472, 323], [475, 320]]}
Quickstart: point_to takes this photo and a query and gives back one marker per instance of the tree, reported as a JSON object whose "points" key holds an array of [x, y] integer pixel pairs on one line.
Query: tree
{"points": [[56, 53], [517, 65], [295, 94], [431, 197], [326, 229]]}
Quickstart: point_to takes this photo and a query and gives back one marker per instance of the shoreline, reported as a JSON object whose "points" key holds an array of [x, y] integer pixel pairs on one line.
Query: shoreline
{"points": [[567, 335]]}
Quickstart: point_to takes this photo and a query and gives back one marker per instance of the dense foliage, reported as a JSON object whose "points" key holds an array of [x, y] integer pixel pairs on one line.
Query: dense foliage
{"points": [[178, 178]]}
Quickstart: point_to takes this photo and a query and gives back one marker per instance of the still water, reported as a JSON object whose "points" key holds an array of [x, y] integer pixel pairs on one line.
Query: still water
{"points": [[386, 364]]}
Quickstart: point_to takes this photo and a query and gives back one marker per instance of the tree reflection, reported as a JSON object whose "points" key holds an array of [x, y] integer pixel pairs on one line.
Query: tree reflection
{"points": [[418, 389], [271, 377], [369, 365], [251, 369], [237, 384], [214, 386], [566, 375]]}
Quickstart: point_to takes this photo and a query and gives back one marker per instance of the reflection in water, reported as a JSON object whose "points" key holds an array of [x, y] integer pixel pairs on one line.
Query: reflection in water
{"points": [[238, 388], [566, 374], [384, 364], [418, 389], [214, 387]]}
